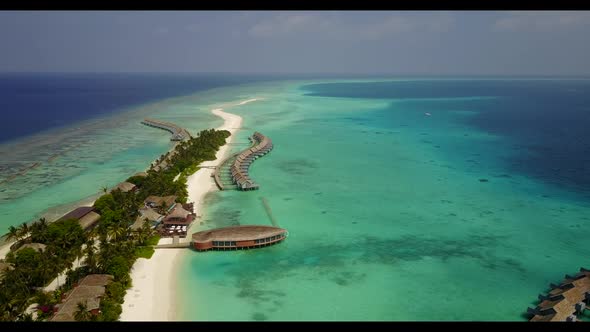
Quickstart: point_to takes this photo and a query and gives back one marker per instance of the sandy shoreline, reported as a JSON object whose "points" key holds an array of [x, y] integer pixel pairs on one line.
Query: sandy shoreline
{"points": [[152, 296]]}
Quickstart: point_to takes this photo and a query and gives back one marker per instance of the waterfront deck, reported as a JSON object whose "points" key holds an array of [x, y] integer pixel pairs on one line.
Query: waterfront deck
{"points": [[238, 237], [565, 301], [178, 133]]}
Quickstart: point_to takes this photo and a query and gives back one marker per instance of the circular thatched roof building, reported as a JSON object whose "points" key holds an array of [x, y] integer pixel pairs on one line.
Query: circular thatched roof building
{"points": [[238, 237]]}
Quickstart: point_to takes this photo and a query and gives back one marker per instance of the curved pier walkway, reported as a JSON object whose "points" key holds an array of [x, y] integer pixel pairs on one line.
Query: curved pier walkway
{"points": [[178, 133], [240, 164]]}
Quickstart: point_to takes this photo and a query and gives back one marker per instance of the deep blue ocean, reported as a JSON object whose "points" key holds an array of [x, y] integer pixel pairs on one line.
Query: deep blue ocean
{"points": [[30, 103]]}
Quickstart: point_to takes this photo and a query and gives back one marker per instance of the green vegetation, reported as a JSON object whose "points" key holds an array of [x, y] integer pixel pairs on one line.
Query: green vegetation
{"points": [[110, 248], [153, 240], [144, 252], [34, 269]]}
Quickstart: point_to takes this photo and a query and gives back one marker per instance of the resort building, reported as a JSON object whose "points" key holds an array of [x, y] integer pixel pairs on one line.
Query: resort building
{"points": [[146, 214], [178, 216], [86, 216], [125, 187], [89, 292], [565, 301], [238, 237], [142, 174], [157, 201], [177, 221]]}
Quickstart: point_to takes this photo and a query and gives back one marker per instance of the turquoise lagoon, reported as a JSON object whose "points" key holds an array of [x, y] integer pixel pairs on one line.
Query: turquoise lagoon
{"points": [[393, 214]]}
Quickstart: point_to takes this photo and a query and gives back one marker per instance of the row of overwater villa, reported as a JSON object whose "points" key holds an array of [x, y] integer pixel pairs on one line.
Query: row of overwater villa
{"points": [[240, 166], [565, 301]]}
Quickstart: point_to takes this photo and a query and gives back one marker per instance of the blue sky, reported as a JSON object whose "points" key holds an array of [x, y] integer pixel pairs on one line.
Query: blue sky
{"points": [[375, 42]]}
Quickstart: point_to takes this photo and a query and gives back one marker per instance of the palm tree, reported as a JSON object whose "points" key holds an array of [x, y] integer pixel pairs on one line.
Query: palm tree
{"points": [[90, 253], [79, 253], [42, 223], [37, 230], [13, 234], [82, 313], [104, 189], [23, 230], [115, 232]]}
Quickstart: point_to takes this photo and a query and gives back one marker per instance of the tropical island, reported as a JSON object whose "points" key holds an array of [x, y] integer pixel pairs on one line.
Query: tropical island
{"points": [[97, 257]]}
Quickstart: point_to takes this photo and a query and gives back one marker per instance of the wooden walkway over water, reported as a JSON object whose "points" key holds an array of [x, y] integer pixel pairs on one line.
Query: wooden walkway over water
{"points": [[239, 164], [178, 133]]}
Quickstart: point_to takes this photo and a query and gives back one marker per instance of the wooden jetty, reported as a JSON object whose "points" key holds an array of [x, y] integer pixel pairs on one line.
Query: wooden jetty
{"points": [[218, 170], [564, 301], [240, 162], [238, 237], [178, 133], [241, 165]]}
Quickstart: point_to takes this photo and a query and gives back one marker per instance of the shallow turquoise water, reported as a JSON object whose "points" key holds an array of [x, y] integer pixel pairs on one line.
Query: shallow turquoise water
{"points": [[388, 211], [387, 218]]}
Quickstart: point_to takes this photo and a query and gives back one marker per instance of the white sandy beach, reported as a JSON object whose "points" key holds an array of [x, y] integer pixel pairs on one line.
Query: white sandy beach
{"points": [[152, 296], [5, 249]]}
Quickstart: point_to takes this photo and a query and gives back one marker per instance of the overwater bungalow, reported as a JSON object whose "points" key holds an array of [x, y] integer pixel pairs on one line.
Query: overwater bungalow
{"points": [[238, 237], [86, 216], [565, 300], [89, 291]]}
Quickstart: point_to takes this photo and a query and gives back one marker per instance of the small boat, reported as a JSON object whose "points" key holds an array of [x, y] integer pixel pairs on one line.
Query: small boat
{"points": [[428, 114]]}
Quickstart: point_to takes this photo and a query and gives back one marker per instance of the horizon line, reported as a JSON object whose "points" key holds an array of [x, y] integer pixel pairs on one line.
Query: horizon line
{"points": [[295, 74]]}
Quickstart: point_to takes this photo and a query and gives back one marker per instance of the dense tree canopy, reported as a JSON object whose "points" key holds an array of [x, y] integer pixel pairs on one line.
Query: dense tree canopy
{"points": [[66, 241]]}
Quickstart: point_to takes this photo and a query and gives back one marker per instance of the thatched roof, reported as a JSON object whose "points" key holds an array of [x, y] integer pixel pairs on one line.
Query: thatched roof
{"points": [[150, 214], [34, 246], [178, 212], [137, 223], [89, 220], [63, 317], [143, 174], [78, 213], [158, 200], [89, 292], [96, 280], [125, 186], [145, 213], [237, 233], [85, 215]]}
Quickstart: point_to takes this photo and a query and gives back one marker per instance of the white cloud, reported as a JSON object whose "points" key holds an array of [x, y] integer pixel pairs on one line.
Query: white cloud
{"points": [[335, 27], [541, 20]]}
